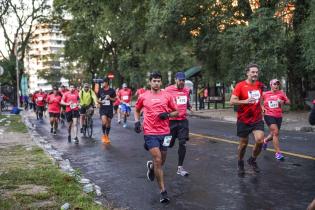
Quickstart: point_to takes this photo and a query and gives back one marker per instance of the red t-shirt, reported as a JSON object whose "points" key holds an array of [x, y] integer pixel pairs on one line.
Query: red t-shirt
{"points": [[40, 99], [271, 104], [54, 103], [249, 113], [140, 91], [124, 95], [73, 98], [181, 98], [154, 104]]}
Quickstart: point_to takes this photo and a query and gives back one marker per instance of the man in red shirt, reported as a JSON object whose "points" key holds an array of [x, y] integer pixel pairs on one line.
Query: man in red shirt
{"points": [[140, 91], [247, 95], [157, 106], [71, 101], [40, 98], [124, 96], [179, 125], [53, 101]]}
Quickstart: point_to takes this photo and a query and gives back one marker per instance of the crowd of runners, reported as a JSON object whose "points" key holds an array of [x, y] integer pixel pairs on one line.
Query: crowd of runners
{"points": [[161, 114]]}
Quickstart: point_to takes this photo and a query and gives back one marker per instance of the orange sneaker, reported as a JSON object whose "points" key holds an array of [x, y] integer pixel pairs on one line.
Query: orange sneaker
{"points": [[104, 138]]}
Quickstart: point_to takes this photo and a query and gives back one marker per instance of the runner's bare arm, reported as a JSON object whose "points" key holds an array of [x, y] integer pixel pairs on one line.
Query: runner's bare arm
{"points": [[137, 114]]}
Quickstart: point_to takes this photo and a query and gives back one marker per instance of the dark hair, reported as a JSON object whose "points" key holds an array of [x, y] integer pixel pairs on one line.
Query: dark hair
{"points": [[106, 80], [155, 75], [251, 65]]}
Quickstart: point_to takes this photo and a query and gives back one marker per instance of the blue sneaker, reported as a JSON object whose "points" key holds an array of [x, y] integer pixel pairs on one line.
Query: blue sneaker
{"points": [[125, 125], [279, 156]]}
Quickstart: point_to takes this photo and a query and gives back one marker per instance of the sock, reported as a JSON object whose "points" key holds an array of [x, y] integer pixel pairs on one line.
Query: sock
{"points": [[107, 130], [104, 129]]}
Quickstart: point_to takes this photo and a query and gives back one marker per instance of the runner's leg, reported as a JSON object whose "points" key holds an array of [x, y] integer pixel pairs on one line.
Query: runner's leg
{"points": [[157, 164], [259, 139]]}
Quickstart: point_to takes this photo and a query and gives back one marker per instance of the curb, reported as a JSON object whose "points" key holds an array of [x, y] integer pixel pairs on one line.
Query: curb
{"points": [[63, 164]]}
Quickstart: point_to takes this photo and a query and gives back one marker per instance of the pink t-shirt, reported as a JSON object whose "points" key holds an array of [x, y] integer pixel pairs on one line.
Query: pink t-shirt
{"points": [[54, 103], [154, 104], [40, 99], [272, 106], [181, 98], [73, 98], [125, 95], [314, 101]]}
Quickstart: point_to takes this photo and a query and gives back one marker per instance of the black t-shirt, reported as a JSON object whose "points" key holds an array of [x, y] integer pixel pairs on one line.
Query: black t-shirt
{"points": [[106, 103]]}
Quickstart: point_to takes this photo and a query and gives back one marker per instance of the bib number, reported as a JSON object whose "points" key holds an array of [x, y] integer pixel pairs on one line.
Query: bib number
{"points": [[125, 97], [254, 94], [106, 102], [181, 100], [40, 98], [73, 106], [167, 141], [273, 104]]}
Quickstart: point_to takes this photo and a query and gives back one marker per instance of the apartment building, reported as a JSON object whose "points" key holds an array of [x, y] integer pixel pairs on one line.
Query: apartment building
{"points": [[45, 52]]}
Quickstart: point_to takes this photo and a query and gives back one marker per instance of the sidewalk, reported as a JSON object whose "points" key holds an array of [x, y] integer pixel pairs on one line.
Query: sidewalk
{"points": [[292, 121]]}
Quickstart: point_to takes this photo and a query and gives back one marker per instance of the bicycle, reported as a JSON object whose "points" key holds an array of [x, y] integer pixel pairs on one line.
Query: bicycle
{"points": [[88, 123]]}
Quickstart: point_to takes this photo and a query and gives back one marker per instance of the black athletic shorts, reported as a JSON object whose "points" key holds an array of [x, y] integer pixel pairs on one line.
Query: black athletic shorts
{"points": [[83, 109], [52, 114], [72, 114], [108, 112], [40, 108], [243, 130], [273, 120], [180, 129]]}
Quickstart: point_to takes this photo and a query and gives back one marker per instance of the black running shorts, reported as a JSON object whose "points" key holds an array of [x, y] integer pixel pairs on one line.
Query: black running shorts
{"points": [[243, 130], [273, 120], [108, 112], [179, 129], [72, 114], [52, 114]]}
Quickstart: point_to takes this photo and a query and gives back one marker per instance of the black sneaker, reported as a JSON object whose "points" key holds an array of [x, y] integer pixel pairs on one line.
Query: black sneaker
{"points": [[55, 132], [69, 139], [51, 130], [164, 198], [240, 168], [76, 140], [81, 130], [252, 162], [150, 172]]}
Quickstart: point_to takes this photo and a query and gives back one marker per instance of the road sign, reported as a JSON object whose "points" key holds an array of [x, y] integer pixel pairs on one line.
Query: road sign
{"points": [[111, 75], [1, 70]]}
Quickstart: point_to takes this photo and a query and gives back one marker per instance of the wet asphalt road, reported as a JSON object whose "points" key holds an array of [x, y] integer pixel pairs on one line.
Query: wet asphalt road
{"points": [[119, 169]]}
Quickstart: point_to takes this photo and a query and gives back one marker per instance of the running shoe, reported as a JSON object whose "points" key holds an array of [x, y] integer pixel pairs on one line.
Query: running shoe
{"points": [[76, 140], [125, 125], [81, 130], [69, 139], [105, 139], [150, 172], [265, 145], [119, 121], [279, 156], [181, 171], [51, 130], [55, 132], [240, 168], [164, 198], [252, 162]]}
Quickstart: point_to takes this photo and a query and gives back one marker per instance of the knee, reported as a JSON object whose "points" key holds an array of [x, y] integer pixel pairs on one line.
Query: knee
{"points": [[157, 161]]}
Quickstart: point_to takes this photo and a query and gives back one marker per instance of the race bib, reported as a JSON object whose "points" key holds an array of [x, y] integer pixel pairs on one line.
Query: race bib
{"points": [[167, 141], [181, 100], [254, 94], [125, 97], [106, 102], [273, 104], [73, 106], [40, 98]]}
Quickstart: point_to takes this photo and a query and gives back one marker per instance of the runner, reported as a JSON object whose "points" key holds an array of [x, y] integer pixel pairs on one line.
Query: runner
{"points": [[53, 101], [40, 98], [247, 95], [124, 96], [272, 108], [62, 91], [87, 100], [140, 91], [157, 106], [179, 125], [106, 97], [116, 106], [71, 100]]}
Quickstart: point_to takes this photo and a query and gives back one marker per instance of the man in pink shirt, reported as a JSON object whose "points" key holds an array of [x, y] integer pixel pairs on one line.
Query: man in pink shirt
{"points": [[179, 125], [53, 101], [124, 96], [158, 106], [40, 99], [272, 108], [71, 100]]}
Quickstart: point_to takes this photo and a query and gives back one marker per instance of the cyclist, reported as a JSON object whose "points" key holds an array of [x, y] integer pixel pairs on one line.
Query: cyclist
{"points": [[272, 108], [40, 98], [87, 100], [124, 96], [157, 106], [53, 101], [106, 96], [71, 101]]}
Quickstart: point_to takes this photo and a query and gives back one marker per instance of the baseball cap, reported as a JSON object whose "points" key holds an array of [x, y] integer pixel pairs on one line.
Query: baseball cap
{"points": [[273, 81], [86, 85], [180, 75], [55, 88], [124, 85]]}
